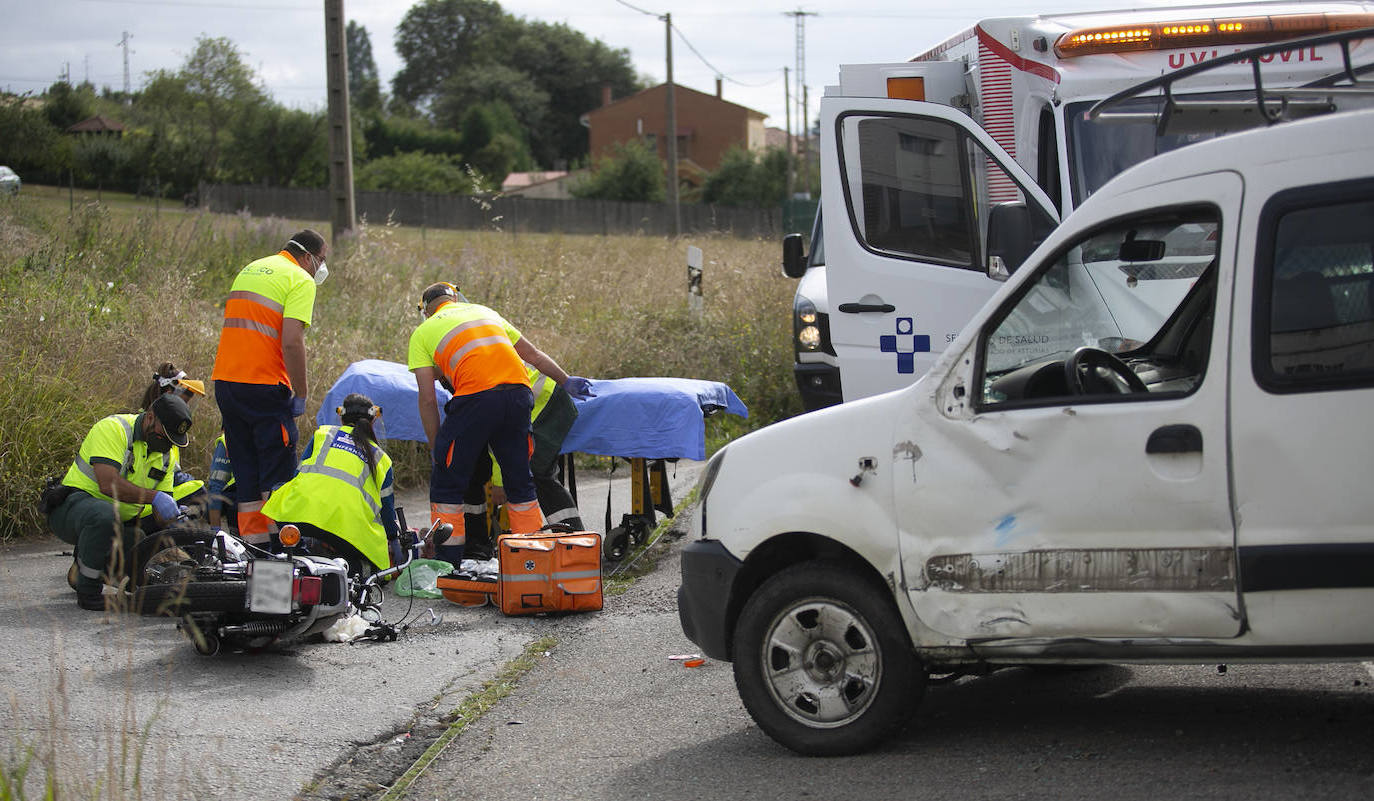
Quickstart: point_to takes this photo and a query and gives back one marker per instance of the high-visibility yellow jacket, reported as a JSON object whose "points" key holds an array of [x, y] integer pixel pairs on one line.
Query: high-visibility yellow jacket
{"points": [[264, 294], [471, 345], [118, 440], [334, 491]]}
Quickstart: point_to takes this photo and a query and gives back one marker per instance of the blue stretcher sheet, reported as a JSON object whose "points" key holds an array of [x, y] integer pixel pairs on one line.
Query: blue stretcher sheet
{"points": [[652, 418]]}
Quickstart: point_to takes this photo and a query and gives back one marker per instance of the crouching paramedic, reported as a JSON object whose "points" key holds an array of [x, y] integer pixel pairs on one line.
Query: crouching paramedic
{"points": [[125, 462], [483, 358], [342, 495]]}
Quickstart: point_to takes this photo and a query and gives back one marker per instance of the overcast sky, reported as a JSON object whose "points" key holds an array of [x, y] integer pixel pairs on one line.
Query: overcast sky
{"points": [[749, 42]]}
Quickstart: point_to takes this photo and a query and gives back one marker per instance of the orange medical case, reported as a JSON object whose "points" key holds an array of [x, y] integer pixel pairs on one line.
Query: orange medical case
{"points": [[549, 572], [467, 589]]}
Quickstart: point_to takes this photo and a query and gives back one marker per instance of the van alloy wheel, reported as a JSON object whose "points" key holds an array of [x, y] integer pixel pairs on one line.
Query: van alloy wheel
{"points": [[823, 662]]}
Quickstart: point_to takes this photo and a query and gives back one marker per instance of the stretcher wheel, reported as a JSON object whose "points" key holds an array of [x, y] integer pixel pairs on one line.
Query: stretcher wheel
{"points": [[615, 545]]}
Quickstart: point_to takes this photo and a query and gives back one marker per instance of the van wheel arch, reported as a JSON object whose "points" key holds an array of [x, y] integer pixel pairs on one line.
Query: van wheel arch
{"points": [[782, 552]]}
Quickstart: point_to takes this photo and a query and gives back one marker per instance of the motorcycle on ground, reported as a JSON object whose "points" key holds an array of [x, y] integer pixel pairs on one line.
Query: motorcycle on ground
{"points": [[226, 592]]}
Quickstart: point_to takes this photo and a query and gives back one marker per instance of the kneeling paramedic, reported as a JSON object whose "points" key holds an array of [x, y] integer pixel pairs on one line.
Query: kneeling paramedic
{"points": [[125, 463], [483, 358], [342, 494]]}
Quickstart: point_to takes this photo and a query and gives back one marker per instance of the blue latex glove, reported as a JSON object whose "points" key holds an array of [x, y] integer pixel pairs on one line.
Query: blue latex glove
{"points": [[579, 387], [165, 506], [297, 406]]}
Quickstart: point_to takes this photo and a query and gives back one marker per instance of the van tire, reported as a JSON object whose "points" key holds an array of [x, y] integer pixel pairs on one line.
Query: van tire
{"points": [[823, 662]]}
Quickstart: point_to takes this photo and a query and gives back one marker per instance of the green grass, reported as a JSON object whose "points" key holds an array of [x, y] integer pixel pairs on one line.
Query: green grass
{"points": [[94, 295]]}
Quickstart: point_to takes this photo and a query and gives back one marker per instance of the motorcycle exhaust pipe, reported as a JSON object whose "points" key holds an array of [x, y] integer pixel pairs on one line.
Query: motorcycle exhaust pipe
{"points": [[255, 628]]}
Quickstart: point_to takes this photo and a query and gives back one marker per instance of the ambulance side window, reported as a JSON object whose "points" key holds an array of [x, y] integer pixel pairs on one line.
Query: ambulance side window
{"points": [[1314, 311], [1047, 157], [922, 189]]}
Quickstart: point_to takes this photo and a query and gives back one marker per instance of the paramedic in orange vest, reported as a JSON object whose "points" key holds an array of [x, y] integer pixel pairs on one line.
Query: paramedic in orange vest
{"points": [[260, 372], [483, 358]]}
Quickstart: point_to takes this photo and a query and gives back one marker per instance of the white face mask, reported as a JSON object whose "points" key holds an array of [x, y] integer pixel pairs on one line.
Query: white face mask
{"points": [[321, 273]]}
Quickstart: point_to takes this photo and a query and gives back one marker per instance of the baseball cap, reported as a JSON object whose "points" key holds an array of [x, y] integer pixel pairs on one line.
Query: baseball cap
{"points": [[175, 417]]}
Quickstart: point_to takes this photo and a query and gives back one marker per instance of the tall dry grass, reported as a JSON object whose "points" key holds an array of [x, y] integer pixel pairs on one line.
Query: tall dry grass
{"points": [[91, 300]]}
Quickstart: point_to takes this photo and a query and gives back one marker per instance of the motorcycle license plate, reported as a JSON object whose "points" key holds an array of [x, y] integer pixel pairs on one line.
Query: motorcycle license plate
{"points": [[269, 586]]}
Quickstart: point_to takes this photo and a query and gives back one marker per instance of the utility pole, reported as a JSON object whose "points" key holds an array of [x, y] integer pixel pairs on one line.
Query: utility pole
{"points": [[128, 85], [791, 155], [800, 17], [342, 212], [675, 210]]}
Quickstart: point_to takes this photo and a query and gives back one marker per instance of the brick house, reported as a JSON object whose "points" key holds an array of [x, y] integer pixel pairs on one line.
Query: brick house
{"points": [[707, 125]]}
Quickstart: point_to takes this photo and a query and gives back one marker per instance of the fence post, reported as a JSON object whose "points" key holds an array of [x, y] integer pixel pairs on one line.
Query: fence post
{"points": [[694, 301]]}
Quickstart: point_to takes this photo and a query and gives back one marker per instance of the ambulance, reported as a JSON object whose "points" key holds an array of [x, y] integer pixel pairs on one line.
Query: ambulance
{"points": [[940, 174]]}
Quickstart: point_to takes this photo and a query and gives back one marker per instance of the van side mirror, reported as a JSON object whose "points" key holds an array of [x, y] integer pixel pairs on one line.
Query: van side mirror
{"points": [[793, 256], [1009, 239]]}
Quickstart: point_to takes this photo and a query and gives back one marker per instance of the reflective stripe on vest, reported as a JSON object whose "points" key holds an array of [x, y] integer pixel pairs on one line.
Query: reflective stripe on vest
{"points": [[315, 465], [335, 491], [82, 476]]}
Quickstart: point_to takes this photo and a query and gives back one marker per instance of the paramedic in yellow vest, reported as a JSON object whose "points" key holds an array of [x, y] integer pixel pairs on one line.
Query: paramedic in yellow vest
{"points": [[483, 358], [550, 422], [260, 372], [342, 494], [188, 491], [125, 463]]}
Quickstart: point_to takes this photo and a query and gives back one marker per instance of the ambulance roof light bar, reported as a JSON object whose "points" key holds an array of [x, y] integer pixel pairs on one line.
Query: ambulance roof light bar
{"points": [[1268, 106], [1135, 37]]}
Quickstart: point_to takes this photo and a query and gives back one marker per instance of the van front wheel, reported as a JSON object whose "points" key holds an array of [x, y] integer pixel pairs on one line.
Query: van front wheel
{"points": [[823, 663]]}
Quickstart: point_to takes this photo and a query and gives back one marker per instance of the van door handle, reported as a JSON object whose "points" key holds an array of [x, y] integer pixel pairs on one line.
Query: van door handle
{"points": [[859, 308], [1183, 438]]}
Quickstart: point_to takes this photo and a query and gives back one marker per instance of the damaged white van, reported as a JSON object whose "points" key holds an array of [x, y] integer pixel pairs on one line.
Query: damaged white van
{"points": [[1054, 492]]}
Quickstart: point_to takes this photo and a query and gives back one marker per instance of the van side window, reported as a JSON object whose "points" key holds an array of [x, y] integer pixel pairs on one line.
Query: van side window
{"points": [[922, 189], [1126, 310], [1318, 332]]}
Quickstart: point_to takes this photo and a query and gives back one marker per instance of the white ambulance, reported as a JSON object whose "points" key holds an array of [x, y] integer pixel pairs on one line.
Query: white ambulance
{"points": [[1045, 494], [910, 195]]}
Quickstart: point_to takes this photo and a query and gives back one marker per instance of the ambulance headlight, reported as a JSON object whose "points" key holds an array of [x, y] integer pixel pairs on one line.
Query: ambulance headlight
{"points": [[806, 325]]}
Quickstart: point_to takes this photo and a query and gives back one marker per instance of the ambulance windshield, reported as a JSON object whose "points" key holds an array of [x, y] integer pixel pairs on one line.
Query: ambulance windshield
{"points": [[1099, 150]]}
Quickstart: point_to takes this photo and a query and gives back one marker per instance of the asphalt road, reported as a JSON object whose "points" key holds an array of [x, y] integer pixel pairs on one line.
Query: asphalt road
{"points": [[103, 698], [606, 714]]}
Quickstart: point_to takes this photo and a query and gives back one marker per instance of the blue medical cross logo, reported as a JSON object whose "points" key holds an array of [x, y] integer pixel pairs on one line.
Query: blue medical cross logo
{"points": [[910, 343]]}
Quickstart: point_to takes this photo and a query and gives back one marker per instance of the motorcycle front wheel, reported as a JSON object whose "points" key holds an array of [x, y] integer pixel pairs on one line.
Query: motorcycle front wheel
{"points": [[172, 555]]}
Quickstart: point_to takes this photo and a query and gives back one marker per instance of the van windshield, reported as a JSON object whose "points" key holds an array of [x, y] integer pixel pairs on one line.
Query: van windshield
{"points": [[1099, 150]]}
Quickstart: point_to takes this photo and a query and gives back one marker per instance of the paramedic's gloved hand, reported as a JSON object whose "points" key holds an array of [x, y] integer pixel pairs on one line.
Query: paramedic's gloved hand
{"points": [[579, 387], [165, 506], [297, 406]]}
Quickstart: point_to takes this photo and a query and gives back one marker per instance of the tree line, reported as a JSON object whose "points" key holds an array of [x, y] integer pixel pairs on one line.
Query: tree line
{"points": [[482, 93]]}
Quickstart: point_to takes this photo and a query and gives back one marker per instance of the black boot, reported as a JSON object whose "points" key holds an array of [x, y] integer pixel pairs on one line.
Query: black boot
{"points": [[94, 601]]}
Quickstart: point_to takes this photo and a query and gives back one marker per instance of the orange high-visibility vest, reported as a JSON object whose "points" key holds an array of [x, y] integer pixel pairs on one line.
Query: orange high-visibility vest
{"points": [[471, 345], [263, 295]]}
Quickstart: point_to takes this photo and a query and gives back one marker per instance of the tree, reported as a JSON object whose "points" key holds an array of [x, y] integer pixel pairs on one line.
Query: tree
{"points": [[490, 83], [745, 178], [631, 173], [29, 142], [494, 141], [285, 147], [571, 69], [66, 105], [364, 87], [221, 89], [414, 172], [438, 38]]}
